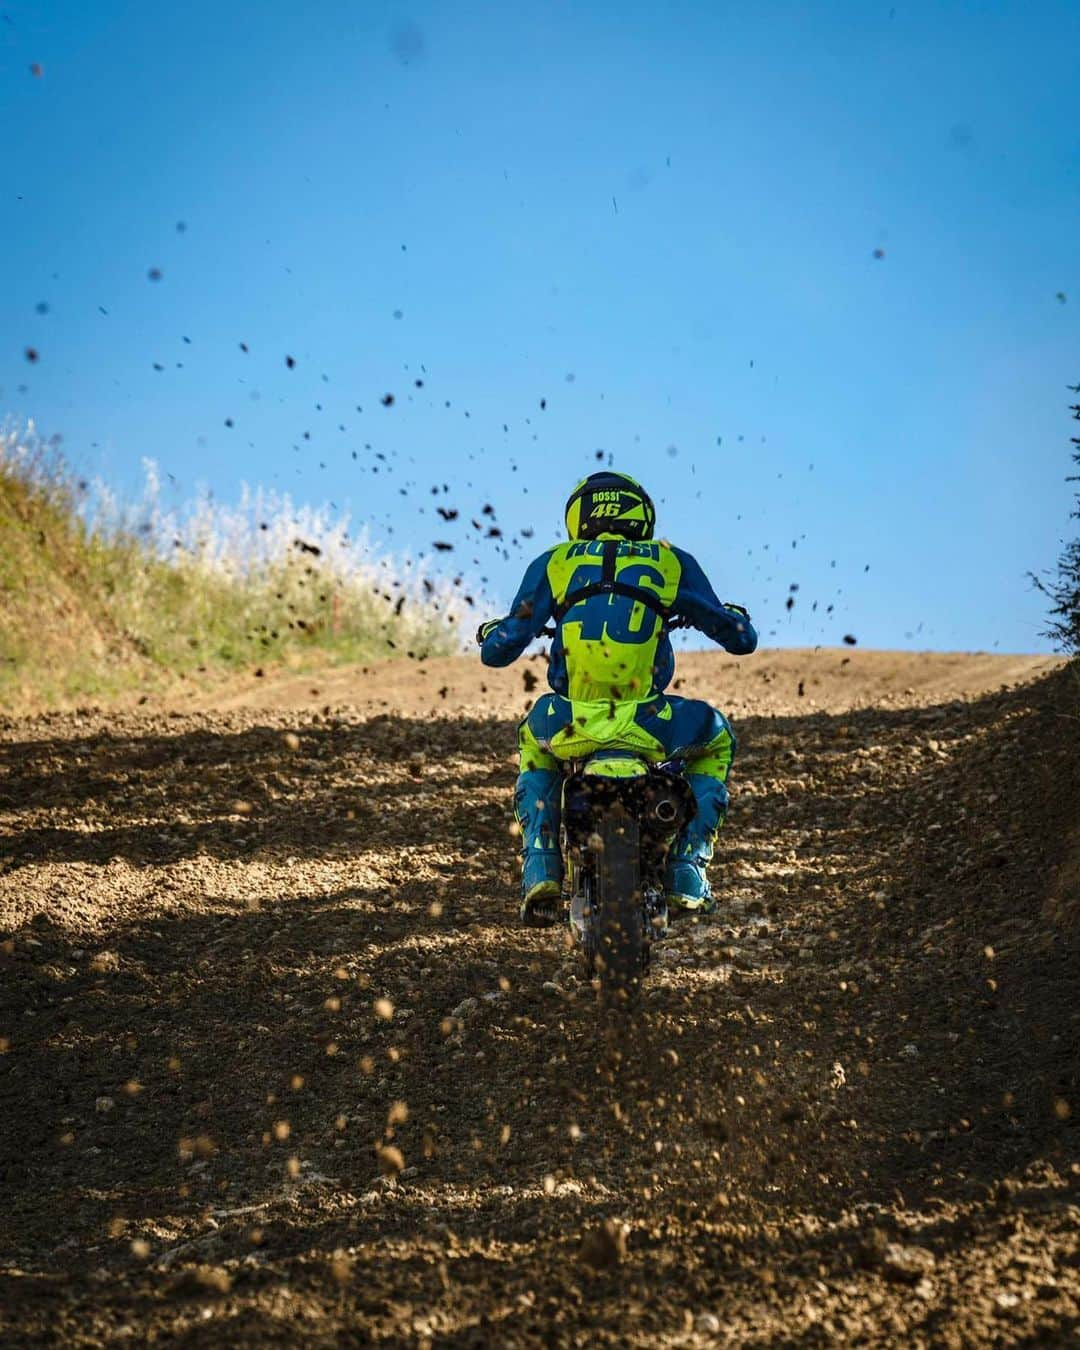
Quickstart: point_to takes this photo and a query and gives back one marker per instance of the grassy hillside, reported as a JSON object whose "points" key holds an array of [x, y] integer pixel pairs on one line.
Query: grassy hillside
{"points": [[97, 597]]}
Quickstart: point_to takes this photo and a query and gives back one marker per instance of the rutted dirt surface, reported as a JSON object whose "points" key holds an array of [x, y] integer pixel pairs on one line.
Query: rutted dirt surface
{"points": [[280, 1066]]}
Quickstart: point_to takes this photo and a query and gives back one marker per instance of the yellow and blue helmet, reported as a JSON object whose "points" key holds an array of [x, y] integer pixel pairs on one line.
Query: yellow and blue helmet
{"points": [[610, 503]]}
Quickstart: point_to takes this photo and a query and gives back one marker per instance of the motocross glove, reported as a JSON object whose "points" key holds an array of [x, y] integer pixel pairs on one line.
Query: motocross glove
{"points": [[484, 629], [738, 609]]}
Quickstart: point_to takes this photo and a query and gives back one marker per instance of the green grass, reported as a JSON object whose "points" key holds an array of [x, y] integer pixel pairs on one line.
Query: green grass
{"points": [[97, 597]]}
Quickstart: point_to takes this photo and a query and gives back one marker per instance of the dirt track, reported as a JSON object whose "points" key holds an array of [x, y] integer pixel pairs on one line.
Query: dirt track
{"points": [[247, 948]]}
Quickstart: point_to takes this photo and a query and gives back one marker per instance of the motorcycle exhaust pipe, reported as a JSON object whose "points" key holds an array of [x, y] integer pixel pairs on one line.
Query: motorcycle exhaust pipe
{"points": [[666, 810]]}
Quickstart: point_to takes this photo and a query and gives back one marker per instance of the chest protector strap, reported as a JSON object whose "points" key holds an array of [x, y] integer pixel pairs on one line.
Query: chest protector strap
{"points": [[607, 585]]}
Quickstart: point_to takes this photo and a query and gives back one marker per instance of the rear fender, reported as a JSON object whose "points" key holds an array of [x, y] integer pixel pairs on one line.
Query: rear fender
{"points": [[659, 798]]}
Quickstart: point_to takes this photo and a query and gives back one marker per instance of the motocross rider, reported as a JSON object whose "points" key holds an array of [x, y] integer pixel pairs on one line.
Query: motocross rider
{"points": [[609, 591]]}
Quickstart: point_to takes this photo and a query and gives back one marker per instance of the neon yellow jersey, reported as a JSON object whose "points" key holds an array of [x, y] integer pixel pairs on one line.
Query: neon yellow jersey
{"points": [[611, 647], [609, 642]]}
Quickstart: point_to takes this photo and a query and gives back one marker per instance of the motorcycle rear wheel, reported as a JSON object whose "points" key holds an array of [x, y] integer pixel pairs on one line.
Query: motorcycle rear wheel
{"points": [[618, 932]]}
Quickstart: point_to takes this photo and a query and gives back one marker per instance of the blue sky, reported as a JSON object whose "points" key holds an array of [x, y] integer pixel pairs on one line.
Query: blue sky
{"points": [[660, 219]]}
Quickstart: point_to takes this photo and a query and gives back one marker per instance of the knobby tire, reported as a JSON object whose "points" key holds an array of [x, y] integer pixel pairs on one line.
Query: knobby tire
{"points": [[617, 925]]}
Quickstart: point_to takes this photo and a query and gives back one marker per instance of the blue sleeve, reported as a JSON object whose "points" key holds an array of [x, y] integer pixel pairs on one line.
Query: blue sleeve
{"points": [[697, 600], [532, 608]]}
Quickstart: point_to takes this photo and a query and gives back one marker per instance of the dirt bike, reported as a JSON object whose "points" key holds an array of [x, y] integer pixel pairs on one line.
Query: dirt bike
{"points": [[620, 815]]}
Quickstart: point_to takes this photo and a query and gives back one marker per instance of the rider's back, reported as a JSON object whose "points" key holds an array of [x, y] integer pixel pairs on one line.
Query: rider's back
{"points": [[612, 645], [607, 644]]}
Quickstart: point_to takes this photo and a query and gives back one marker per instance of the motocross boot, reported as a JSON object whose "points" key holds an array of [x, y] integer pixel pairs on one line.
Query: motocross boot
{"points": [[537, 802], [685, 883]]}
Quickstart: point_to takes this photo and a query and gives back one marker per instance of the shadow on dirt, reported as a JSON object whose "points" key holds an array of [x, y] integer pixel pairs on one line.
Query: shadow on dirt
{"points": [[158, 799]]}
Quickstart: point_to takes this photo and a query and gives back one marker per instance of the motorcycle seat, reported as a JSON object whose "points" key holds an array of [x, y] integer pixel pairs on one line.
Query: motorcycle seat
{"points": [[615, 764]]}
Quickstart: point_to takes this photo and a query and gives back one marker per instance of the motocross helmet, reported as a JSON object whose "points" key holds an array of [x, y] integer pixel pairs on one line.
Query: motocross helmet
{"points": [[610, 503]]}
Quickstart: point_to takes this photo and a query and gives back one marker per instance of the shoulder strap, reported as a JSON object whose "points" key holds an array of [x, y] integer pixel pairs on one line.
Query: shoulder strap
{"points": [[610, 558], [607, 585]]}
